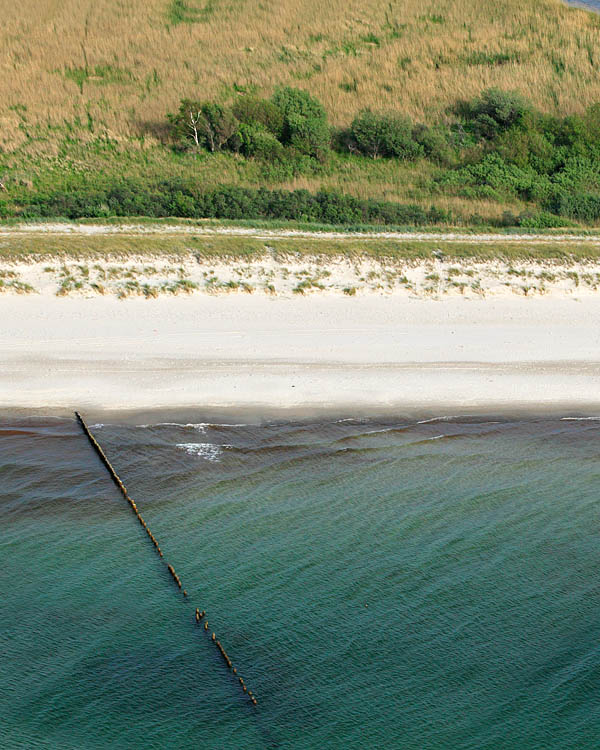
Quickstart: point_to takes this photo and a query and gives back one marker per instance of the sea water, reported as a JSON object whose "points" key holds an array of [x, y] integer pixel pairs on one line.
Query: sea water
{"points": [[586, 4], [378, 584]]}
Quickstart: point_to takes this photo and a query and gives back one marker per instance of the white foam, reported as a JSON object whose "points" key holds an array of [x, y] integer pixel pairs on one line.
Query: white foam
{"points": [[352, 419], [580, 419], [200, 426], [377, 432], [208, 451], [437, 419]]}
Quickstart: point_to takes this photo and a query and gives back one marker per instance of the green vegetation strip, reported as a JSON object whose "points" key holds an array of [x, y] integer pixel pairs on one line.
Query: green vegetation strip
{"points": [[32, 248], [492, 160]]}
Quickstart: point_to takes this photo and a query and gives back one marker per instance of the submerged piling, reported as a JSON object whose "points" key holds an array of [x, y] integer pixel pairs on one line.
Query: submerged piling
{"points": [[117, 480]]}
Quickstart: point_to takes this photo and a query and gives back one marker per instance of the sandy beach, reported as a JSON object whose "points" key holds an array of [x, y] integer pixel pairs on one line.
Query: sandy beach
{"points": [[285, 334], [300, 355]]}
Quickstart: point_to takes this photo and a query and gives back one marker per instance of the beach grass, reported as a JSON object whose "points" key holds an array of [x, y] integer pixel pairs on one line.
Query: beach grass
{"points": [[61, 65], [121, 247]]}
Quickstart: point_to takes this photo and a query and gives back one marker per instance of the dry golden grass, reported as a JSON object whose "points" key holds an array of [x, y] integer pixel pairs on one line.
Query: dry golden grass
{"points": [[127, 64], [402, 189]]}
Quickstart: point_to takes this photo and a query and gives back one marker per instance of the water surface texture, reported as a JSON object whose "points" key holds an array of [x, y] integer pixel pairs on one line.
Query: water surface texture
{"points": [[586, 4], [378, 583]]}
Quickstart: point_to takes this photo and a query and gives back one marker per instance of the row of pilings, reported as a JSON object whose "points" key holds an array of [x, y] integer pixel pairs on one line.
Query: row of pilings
{"points": [[200, 616]]}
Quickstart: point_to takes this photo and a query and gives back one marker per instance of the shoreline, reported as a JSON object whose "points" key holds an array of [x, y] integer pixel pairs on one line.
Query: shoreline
{"points": [[244, 417]]}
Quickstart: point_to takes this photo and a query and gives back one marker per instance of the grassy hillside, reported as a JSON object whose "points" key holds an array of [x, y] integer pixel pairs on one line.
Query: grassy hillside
{"points": [[127, 64], [85, 87]]}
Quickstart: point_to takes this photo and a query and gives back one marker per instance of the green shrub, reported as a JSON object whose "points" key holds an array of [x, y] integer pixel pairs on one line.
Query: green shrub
{"points": [[482, 57], [579, 174], [189, 199], [580, 134], [305, 125], [494, 178], [495, 111], [255, 140], [541, 220], [583, 207], [437, 144], [501, 149], [252, 110], [292, 164], [387, 135], [530, 144]]}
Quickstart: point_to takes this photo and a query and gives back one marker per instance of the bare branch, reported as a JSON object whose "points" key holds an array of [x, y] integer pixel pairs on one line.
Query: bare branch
{"points": [[193, 125]]}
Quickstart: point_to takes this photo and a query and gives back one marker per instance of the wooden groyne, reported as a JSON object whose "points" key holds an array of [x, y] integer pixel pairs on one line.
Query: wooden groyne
{"points": [[199, 616]]}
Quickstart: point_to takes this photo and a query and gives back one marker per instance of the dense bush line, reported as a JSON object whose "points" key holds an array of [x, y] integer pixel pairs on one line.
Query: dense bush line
{"points": [[291, 123], [176, 198]]}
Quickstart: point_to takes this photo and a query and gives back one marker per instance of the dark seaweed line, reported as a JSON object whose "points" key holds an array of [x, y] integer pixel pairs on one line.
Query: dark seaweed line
{"points": [[199, 615]]}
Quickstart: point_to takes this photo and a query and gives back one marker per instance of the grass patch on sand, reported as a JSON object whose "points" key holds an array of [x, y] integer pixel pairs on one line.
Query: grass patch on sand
{"points": [[38, 247]]}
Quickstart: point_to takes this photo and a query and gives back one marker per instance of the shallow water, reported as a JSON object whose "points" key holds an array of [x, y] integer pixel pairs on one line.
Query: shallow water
{"points": [[378, 584], [588, 4]]}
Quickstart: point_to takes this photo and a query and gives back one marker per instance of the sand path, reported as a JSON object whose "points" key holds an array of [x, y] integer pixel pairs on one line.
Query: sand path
{"points": [[64, 228]]}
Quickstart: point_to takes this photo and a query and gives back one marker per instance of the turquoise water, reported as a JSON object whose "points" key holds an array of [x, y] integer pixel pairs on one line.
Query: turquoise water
{"points": [[377, 583]]}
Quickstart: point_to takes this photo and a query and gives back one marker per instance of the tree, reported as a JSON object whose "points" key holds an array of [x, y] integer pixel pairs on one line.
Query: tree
{"points": [[255, 140], [496, 111], [205, 124], [252, 110], [387, 135], [305, 125]]}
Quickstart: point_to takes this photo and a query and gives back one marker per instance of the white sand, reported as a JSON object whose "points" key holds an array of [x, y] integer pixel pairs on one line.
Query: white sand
{"points": [[287, 355], [211, 227], [353, 336]]}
